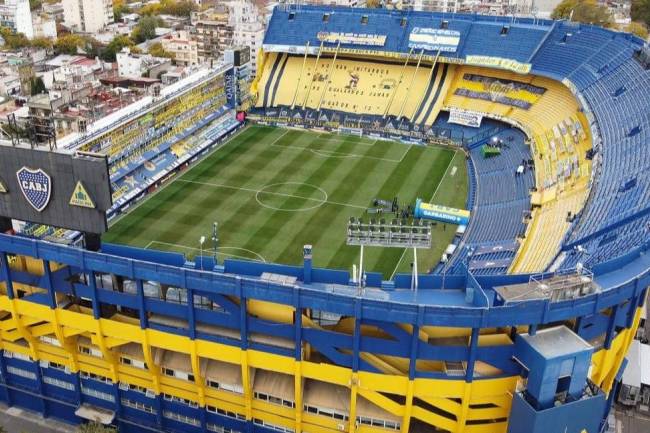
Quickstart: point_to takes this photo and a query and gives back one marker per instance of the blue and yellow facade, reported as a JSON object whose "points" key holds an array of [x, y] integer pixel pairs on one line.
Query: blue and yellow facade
{"points": [[161, 345]]}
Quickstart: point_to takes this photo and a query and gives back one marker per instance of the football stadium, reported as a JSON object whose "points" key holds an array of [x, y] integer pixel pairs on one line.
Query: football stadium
{"points": [[422, 222]]}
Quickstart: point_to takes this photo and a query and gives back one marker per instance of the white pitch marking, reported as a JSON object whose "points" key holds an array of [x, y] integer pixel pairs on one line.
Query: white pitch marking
{"points": [[333, 153], [208, 250], [263, 191], [218, 185], [430, 200]]}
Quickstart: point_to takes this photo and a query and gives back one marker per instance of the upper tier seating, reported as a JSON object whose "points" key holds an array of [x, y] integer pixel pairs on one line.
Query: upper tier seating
{"points": [[621, 190], [560, 142]]}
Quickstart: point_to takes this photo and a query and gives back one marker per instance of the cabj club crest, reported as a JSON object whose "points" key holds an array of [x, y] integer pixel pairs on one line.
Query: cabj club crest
{"points": [[36, 186]]}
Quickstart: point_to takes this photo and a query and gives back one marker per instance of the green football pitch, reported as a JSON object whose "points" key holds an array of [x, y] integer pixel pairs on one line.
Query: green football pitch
{"points": [[273, 190]]}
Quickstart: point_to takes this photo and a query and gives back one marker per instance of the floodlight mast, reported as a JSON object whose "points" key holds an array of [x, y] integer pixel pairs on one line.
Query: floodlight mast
{"points": [[399, 233]]}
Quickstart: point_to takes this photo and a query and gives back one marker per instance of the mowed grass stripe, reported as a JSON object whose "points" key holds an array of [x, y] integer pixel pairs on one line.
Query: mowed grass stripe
{"points": [[160, 212], [184, 211], [312, 231], [197, 215], [249, 216], [413, 177], [426, 174], [164, 215], [275, 231]]}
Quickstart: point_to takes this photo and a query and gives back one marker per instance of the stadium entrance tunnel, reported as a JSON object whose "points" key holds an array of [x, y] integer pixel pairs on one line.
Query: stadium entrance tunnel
{"points": [[291, 196]]}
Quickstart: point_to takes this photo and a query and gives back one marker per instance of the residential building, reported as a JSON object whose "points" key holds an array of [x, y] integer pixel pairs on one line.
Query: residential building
{"points": [[55, 10], [16, 15], [248, 28], [44, 26], [214, 31], [87, 16], [184, 49], [141, 65]]}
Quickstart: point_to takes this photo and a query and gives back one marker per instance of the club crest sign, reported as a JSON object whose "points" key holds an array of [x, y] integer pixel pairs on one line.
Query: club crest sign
{"points": [[36, 186]]}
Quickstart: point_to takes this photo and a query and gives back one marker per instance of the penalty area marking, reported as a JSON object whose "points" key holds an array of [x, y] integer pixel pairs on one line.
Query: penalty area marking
{"points": [[209, 250]]}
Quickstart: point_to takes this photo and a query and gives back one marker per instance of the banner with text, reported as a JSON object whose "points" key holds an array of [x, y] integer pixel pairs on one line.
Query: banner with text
{"points": [[434, 39], [464, 117]]}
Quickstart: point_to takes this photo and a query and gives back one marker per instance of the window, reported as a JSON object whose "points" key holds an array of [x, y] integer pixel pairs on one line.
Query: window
{"points": [[58, 383], [97, 394], [95, 377], [220, 429], [133, 362], [50, 340], [326, 18], [22, 373], [139, 406], [184, 401], [54, 365], [444, 24], [225, 413], [90, 351], [364, 20], [505, 30], [181, 418], [16, 355]]}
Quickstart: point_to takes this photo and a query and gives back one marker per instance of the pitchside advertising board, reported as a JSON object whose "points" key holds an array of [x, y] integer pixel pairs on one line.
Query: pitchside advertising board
{"points": [[57, 189]]}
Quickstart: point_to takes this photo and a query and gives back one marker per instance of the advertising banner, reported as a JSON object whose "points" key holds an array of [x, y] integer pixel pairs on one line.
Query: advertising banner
{"points": [[434, 39], [464, 117]]}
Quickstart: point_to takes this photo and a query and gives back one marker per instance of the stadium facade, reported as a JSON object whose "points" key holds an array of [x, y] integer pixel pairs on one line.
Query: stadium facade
{"points": [[524, 329]]}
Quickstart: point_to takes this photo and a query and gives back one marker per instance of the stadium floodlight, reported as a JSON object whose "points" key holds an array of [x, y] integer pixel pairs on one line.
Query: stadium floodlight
{"points": [[201, 242], [215, 239], [398, 233]]}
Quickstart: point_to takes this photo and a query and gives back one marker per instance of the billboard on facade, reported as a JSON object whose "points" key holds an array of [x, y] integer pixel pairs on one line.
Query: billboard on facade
{"points": [[71, 191]]}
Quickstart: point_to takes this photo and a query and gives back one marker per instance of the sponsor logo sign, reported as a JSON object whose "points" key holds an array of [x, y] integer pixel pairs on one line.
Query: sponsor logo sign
{"points": [[352, 38], [36, 186], [81, 198], [428, 39]]}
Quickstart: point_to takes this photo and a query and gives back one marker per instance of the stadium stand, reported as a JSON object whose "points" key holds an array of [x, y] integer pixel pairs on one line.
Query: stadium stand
{"points": [[502, 200], [160, 344], [378, 89], [566, 84], [151, 138]]}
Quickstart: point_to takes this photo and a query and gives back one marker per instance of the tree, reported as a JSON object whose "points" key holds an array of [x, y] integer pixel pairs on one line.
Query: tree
{"points": [[38, 86], [115, 46], [13, 41], [641, 11], [179, 8], [40, 42], [93, 427], [146, 29], [157, 50], [637, 28], [583, 11], [69, 44], [373, 3], [35, 4], [120, 8]]}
